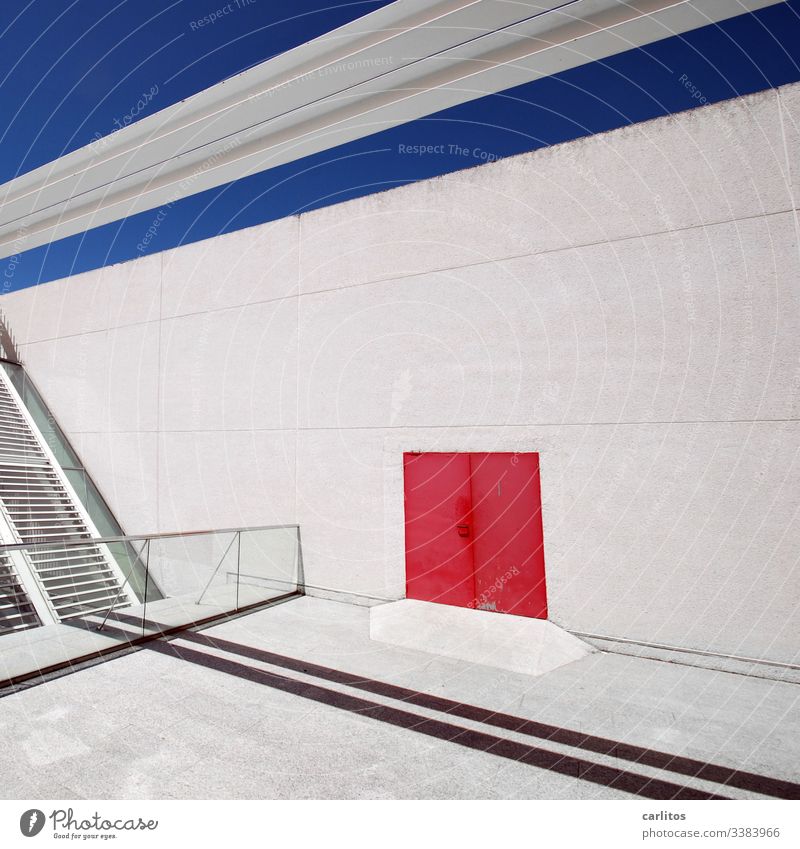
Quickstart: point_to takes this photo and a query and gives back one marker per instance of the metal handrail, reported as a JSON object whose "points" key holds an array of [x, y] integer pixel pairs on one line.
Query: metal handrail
{"points": [[134, 537]]}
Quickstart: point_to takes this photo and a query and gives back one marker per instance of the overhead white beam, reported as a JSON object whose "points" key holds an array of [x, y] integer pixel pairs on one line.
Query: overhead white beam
{"points": [[402, 62]]}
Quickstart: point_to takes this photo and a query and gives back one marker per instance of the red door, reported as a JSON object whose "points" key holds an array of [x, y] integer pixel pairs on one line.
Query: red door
{"points": [[474, 531], [438, 504], [507, 548]]}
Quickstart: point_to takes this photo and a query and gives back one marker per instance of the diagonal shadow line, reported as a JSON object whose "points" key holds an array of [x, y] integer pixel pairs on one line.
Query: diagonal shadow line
{"points": [[84, 624], [618, 779], [740, 779], [600, 745]]}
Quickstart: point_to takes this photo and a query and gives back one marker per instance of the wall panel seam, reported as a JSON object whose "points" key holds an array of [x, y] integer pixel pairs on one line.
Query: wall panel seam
{"points": [[549, 251]]}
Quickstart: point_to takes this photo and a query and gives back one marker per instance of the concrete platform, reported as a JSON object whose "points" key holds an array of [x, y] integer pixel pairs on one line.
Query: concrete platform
{"points": [[28, 652], [298, 702], [516, 643]]}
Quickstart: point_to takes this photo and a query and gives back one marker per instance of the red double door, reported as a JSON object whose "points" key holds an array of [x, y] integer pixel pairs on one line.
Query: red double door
{"points": [[474, 531]]}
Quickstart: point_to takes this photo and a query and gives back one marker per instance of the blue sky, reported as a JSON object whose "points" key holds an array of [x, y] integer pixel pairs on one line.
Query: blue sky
{"points": [[73, 71]]}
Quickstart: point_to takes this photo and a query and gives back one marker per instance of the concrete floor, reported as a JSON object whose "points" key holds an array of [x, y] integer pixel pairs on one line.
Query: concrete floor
{"points": [[268, 714]]}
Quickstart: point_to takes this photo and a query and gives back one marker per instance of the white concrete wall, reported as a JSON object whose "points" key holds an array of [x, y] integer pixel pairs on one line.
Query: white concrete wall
{"points": [[628, 305]]}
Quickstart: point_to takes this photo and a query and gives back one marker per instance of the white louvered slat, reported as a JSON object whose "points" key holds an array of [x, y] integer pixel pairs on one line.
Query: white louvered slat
{"points": [[52, 580], [16, 610]]}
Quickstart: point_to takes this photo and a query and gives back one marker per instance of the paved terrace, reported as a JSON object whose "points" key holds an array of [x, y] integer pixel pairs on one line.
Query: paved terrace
{"points": [[295, 701]]}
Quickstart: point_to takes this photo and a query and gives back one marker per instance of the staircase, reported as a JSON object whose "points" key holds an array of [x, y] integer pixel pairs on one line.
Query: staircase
{"points": [[66, 574], [16, 610]]}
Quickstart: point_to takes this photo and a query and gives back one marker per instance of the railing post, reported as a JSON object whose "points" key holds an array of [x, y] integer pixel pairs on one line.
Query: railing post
{"points": [[238, 565], [146, 582], [301, 575]]}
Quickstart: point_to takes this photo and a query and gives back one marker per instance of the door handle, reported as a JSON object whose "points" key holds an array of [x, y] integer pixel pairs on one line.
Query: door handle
{"points": [[463, 530]]}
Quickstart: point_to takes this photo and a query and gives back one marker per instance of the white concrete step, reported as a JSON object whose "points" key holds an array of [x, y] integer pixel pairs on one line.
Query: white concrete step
{"points": [[516, 643]]}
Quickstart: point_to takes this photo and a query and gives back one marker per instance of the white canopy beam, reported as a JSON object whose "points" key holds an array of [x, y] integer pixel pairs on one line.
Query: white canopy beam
{"points": [[409, 59]]}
